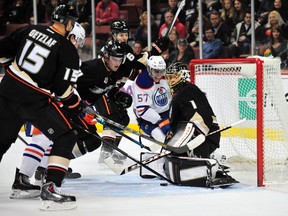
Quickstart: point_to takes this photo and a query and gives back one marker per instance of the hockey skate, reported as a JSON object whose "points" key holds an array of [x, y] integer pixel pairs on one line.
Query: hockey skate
{"points": [[53, 199], [40, 176], [23, 189], [222, 180]]}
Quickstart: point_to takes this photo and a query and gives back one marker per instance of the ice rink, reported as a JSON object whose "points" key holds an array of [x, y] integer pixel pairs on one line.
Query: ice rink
{"points": [[100, 192]]}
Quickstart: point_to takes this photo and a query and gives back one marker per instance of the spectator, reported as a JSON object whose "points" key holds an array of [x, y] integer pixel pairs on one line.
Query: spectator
{"points": [[221, 30], [212, 48], [281, 7], [227, 14], [264, 9], [107, 12], [173, 5], [277, 45], [137, 48], [141, 31], [241, 39], [180, 28], [84, 8], [17, 12], [183, 54], [52, 4], [193, 16], [173, 38], [41, 10], [274, 20], [240, 8], [193, 35]]}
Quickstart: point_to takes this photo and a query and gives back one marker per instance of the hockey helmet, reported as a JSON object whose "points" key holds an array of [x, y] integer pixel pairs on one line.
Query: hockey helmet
{"points": [[79, 32], [114, 48], [177, 76], [156, 66], [63, 13], [119, 26]]}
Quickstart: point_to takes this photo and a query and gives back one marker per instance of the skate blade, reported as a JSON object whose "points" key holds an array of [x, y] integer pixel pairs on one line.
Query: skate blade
{"points": [[22, 194], [48, 205]]}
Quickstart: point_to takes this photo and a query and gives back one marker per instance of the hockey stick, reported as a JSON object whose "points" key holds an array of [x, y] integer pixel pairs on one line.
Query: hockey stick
{"points": [[124, 153], [23, 140], [181, 6], [152, 148], [178, 150], [195, 143]]}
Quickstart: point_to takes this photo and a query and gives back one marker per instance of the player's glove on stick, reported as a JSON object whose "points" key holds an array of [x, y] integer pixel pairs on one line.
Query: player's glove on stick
{"points": [[72, 104], [161, 45], [88, 117], [164, 125], [120, 97]]}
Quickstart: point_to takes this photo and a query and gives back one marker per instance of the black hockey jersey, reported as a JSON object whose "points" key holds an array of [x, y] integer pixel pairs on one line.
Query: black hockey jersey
{"points": [[48, 58], [190, 100], [96, 80]]}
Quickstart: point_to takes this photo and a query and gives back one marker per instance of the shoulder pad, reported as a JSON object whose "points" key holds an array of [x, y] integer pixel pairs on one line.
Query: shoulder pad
{"points": [[144, 81]]}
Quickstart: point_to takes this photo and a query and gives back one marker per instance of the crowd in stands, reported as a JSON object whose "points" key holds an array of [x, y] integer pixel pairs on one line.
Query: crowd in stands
{"points": [[226, 24]]}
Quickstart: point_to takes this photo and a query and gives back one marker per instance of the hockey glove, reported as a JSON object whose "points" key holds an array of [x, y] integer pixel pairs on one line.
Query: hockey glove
{"points": [[164, 125], [72, 104], [87, 117], [120, 97], [161, 45]]}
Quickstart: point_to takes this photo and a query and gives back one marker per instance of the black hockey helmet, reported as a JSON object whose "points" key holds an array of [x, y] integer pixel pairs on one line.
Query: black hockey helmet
{"points": [[114, 48], [177, 76], [119, 26], [64, 12]]}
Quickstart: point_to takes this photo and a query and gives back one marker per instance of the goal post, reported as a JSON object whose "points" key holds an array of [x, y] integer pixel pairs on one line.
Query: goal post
{"points": [[248, 88]]}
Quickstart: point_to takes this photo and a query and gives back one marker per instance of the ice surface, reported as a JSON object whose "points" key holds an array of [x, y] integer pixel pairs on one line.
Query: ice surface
{"points": [[100, 192]]}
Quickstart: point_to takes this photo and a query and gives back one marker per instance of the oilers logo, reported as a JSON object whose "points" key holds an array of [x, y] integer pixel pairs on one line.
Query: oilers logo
{"points": [[160, 97]]}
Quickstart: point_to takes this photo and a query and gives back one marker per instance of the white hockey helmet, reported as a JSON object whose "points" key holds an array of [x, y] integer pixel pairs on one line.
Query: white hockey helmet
{"points": [[79, 33], [156, 66]]}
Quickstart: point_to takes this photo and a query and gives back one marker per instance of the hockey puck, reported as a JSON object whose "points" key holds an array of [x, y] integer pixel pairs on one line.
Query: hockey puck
{"points": [[163, 184]]}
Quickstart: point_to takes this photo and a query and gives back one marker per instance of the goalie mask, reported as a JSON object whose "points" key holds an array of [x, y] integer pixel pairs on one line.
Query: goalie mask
{"points": [[178, 75], [156, 67]]}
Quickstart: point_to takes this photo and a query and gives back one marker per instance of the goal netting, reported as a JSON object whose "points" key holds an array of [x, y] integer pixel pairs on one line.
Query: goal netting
{"points": [[248, 88]]}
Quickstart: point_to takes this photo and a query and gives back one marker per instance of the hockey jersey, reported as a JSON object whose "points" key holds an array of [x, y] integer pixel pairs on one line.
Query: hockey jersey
{"points": [[150, 98], [43, 59]]}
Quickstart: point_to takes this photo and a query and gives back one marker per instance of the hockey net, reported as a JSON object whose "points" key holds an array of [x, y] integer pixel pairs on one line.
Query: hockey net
{"points": [[235, 93]]}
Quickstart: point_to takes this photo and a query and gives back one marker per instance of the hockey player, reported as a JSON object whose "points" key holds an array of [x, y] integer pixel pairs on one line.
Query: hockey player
{"points": [[45, 67], [37, 152], [99, 87], [128, 70], [190, 106], [152, 97]]}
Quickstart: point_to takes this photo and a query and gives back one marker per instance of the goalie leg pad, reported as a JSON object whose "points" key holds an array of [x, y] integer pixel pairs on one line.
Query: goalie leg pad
{"points": [[186, 171]]}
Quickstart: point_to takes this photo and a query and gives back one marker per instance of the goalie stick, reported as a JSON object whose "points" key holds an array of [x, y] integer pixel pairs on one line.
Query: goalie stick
{"points": [[124, 153], [178, 150], [121, 170]]}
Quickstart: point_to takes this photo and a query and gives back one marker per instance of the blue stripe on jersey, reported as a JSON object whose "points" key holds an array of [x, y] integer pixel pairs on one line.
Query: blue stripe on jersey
{"points": [[32, 156], [36, 146]]}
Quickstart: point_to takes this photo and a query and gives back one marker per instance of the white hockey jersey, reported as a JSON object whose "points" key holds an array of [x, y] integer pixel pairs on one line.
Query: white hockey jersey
{"points": [[150, 98]]}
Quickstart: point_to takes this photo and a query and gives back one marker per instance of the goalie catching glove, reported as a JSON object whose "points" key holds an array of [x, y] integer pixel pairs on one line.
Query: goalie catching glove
{"points": [[120, 97]]}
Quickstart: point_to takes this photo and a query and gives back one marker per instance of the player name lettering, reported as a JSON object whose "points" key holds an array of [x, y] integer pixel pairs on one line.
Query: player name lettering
{"points": [[43, 38]]}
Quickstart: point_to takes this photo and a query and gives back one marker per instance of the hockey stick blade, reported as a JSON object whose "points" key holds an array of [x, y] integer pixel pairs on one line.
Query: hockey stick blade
{"points": [[178, 150], [121, 169]]}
